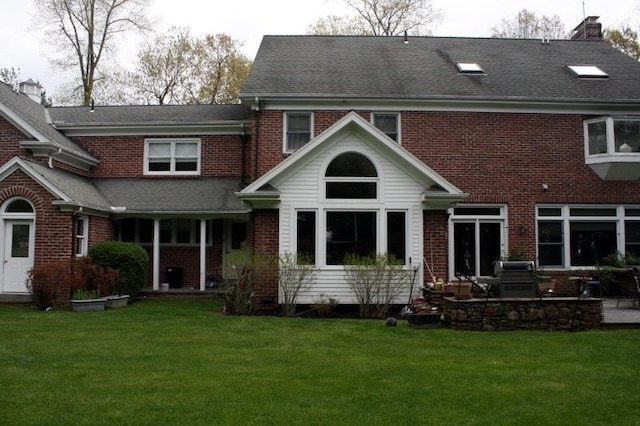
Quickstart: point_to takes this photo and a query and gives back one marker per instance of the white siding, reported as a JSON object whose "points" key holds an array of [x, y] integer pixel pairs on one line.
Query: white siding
{"points": [[304, 190]]}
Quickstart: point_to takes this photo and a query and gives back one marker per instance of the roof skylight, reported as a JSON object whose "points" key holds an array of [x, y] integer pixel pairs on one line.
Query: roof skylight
{"points": [[469, 68], [587, 71]]}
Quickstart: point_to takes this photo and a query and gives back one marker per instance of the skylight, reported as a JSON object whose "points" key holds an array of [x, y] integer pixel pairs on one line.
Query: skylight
{"points": [[587, 71], [469, 68]]}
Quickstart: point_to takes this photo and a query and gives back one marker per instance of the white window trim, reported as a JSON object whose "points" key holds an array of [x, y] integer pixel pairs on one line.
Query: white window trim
{"points": [[172, 171], [501, 218], [565, 217], [398, 123], [82, 241], [611, 141], [285, 124]]}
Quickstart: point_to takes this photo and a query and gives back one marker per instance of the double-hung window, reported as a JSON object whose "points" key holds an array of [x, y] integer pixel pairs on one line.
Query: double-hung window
{"points": [[298, 130], [82, 244], [389, 123], [172, 157]]}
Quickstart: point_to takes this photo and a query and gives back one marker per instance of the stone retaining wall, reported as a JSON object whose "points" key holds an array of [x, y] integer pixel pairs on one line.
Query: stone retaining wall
{"points": [[556, 313]]}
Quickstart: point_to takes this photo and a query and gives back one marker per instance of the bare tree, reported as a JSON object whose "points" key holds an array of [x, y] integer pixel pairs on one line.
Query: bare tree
{"points": [[84, 31], [381, 17], [527, 24], [624, 39], [9, 75]]}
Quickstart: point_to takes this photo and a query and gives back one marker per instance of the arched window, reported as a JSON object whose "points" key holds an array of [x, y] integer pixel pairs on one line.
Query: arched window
{"points": [[351, 176], [19, 206]]}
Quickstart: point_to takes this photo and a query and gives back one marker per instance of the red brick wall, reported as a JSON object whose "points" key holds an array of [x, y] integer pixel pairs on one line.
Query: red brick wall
{"points": [[435, 240], [123, 156], [263, 232]]}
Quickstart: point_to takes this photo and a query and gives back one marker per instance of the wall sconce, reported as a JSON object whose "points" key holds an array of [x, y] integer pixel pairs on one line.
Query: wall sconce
{"points": [[545, 186], [523, 229]]}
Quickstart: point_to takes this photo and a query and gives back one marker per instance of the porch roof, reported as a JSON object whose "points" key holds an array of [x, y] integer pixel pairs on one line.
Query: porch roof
{"points": [[205, 195]]}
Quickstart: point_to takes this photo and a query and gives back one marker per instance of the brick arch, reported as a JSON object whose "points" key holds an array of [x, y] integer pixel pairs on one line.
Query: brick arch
{"points": [[21, 191]]}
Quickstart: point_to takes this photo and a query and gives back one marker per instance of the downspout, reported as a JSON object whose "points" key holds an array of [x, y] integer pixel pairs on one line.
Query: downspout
{"points": [[257, 114]]}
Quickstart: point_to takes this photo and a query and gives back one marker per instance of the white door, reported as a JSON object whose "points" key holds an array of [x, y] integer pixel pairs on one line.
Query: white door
{"points": [[18, 255], [235, 247]]}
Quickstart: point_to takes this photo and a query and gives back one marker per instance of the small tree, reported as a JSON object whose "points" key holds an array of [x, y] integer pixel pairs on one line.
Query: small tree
{"points": [[47, 280], [249, 270], [376, 282], [295, 274]]}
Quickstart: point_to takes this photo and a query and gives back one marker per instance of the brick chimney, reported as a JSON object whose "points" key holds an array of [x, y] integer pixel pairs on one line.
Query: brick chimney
{"points": [[31, 89], [589, 29]]}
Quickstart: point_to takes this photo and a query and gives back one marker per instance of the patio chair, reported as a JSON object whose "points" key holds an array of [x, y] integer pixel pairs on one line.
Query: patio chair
{"points": [[631, 292]]}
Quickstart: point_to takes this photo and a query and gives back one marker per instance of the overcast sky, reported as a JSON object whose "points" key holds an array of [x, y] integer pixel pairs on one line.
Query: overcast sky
{"points": [[248, 20]]}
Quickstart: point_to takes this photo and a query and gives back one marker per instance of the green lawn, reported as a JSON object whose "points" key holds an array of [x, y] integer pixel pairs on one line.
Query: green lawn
{"points": [[182, 362]]}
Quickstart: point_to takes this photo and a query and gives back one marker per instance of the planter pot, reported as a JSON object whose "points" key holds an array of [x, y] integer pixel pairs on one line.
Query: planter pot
{"points": [[87, 305], [461, 290], [114, 302]]}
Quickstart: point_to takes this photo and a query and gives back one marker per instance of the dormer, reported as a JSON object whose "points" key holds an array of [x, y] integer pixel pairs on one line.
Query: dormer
{"points": [[612, 147]]}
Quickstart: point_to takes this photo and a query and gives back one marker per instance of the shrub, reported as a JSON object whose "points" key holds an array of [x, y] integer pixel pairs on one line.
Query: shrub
{"points": [[324, 305], [376, 281], [129, 259], [295, 274], [93, 280], [47, 280], [249, 269]]}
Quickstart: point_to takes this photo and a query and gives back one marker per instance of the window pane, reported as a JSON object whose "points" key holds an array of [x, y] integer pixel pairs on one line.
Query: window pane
{"points": [[80, 227], [183, 231], [489, 247], [186, 149], [351, 164], [591, 241], [20, 241], [350, 233], [632, 235], [476, 211], [295, 141], [627, 134], [632, 212], [298, 123], [165, 231], [159, 165], [550, 243], [396, 236], [187, 165], [145, 231], [388, 123], [238, 235], [306, 243], [597, 137], [159, 149], [19, 206], [355, 190], [549, 211], [592, 212], [464, 235], [127, 230]]}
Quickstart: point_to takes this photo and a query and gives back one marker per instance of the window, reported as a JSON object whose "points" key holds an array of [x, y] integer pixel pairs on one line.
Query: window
{"points": [[397, 235], [298, 130], [172, 231], [350, 233], [587, 71], [612, 136], [388, 123], [351, 176], [571, 236], [82, 227], [469, 68], [306, 235], [478, 239], [172, 157]]}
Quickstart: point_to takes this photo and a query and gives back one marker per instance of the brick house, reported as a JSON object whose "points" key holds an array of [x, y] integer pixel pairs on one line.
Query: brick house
{"points": [[449, 153]]}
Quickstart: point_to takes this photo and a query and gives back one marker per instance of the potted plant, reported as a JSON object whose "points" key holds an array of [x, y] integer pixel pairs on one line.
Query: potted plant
{"points": [[83, 300], [94, 281]]}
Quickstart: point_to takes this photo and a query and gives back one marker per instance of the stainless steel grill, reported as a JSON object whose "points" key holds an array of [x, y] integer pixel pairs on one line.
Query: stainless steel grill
{"points": [[516, 279]]}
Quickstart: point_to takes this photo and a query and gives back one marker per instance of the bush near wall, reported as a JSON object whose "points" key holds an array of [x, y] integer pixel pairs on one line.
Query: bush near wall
{"points": [[129, 259]]}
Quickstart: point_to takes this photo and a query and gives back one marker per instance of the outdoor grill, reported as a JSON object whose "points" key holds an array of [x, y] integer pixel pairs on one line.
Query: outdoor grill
{"points": [[515, 279]]}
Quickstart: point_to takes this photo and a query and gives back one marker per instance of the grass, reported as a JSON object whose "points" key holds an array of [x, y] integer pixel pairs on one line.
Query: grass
{"points": [[182, 362]]}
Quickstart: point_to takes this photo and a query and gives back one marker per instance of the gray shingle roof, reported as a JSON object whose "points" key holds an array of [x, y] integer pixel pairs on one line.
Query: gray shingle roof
{"points": [[203, 195], [425, 68], [147, 115], [77, 188], [36, 116]]}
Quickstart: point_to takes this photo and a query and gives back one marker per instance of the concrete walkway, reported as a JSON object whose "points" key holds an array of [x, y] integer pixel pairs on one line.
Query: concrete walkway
{"points": [[625, 314]]}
